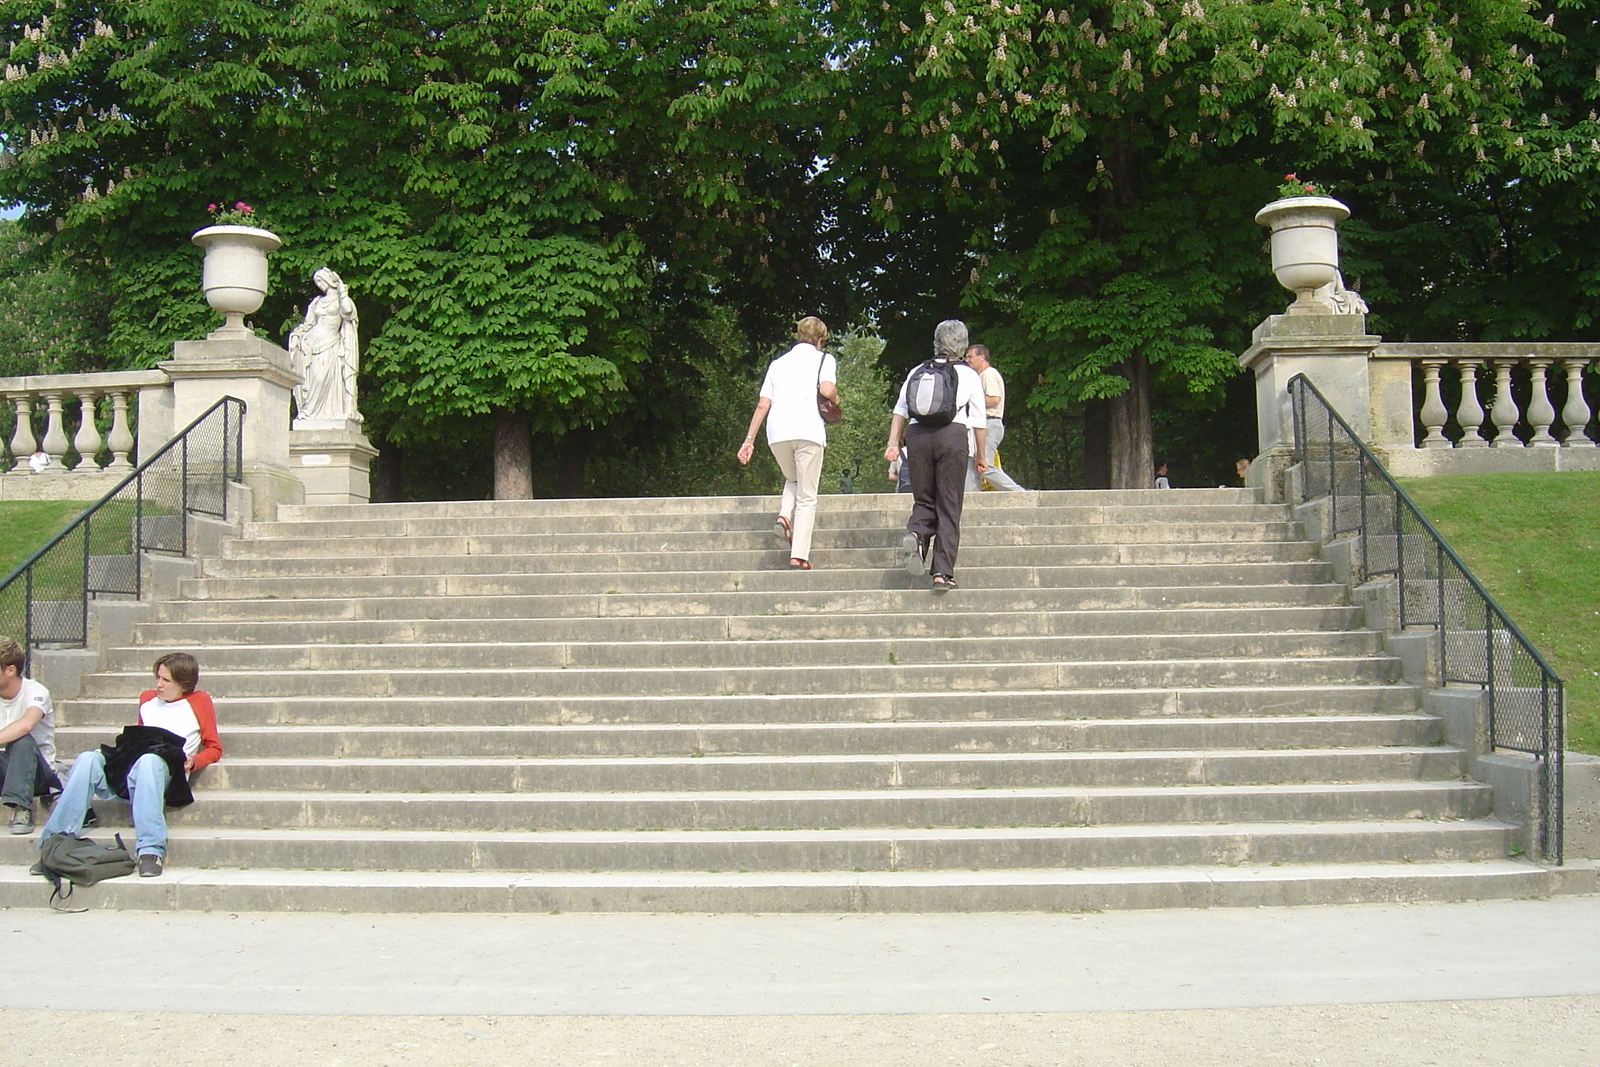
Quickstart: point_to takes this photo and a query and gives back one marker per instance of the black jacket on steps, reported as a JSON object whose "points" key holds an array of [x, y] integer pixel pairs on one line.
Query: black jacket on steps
{"points": [[135, 741]]}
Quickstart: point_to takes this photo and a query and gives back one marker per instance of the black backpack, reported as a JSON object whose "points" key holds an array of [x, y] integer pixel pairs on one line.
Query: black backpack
{"points": [[69, 860], [931, 393]]}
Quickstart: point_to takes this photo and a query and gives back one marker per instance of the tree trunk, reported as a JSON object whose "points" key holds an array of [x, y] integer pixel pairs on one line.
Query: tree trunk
{"points": [[513, 455], [386, 471], [1096, 444], [574, 453], [1132, 452]]}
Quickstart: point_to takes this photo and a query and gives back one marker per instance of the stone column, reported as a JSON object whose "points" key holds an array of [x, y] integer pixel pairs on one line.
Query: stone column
{"points": [[257, 372], [1333, 351]]}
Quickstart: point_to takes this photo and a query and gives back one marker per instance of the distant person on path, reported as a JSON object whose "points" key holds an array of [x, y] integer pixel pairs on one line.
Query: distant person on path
{"points": [[994, 402], [39, 461], [1162, 481], [943, 399], [150, 764], [27, 739], [1242, 469], [795, 432]]}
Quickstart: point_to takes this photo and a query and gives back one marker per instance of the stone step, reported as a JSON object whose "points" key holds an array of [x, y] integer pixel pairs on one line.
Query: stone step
{"points": [[1150, 847], [1054, 889], [772, 582], [831, 503], [1267, 733], [429, 710], [372, 556], [826, 653], [764, 503], [809, 809], [721, 774], [689, 535], [798, 600], [968, 677], [948, 623]]}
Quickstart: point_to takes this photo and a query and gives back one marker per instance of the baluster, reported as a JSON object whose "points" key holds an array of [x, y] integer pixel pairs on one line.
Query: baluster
{"points": [[1470, 413], [55, 435], [22, 442], [121, 440], [1504, 412], [1541, 413], [1433, 413], [1575, 413], [87, 441]]}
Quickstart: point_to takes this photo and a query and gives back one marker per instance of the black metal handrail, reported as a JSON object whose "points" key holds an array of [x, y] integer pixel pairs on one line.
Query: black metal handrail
{"points": [[45, 600], [1479, 644]]}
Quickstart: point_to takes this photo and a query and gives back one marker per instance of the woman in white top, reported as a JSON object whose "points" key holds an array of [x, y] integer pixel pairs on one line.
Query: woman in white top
{"points": [[795, 432]]}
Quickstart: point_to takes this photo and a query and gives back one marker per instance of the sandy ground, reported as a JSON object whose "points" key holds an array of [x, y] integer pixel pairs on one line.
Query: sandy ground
{"points": [[1549, 1032], [1494, 982]]}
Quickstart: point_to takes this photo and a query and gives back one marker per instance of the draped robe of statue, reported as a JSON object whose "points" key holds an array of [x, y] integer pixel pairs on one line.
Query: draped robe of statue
{"points": [[323, 350]]}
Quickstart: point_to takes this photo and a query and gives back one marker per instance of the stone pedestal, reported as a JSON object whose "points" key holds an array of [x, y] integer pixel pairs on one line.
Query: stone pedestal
{"points": [[1331, 350], [238, 363], [333, 460]]}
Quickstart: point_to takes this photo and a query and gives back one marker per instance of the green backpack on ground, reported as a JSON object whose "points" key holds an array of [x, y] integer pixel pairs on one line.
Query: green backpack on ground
{"points": [[69, 860]]}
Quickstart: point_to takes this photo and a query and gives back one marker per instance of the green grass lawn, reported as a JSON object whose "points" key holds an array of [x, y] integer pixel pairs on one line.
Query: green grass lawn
{"points": [[25, 525], [1533, 540]]}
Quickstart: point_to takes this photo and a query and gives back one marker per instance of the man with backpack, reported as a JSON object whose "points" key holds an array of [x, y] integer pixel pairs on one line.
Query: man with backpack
{"points": [[943, 400]]}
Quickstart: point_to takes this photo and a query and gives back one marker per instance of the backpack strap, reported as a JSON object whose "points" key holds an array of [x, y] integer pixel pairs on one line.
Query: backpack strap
{"points": [[61, 896]]}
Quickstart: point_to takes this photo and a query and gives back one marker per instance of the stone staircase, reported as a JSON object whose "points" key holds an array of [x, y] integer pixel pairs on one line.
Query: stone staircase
{"points": [[1136, 699]]}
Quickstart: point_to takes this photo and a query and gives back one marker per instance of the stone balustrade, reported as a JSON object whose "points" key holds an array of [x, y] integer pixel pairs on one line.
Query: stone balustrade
{"points": [[1484, 409], [118, 415]]}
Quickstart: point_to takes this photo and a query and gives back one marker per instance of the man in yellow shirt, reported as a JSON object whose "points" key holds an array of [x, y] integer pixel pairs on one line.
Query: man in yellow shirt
{"points": [[994, 399]]}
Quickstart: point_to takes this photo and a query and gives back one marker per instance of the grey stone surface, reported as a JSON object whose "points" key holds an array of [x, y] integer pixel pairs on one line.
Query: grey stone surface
{"points": [[1139, 700]]}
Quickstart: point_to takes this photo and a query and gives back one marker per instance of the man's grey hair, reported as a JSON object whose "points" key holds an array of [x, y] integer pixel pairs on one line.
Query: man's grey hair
{"points": [[950, 340]]}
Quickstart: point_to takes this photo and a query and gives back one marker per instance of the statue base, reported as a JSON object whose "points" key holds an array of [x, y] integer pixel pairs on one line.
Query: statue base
{"points": [[333, 460]]}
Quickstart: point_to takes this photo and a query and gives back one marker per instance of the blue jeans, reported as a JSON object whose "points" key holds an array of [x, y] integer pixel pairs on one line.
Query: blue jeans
{"points": [[147, 792]]}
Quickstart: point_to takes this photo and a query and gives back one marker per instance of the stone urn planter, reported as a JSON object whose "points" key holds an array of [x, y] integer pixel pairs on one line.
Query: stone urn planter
{"points": [[1305, 246], [234, 275]]}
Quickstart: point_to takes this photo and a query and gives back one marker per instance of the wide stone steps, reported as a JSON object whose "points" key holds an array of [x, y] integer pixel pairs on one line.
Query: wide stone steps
{"points": [[802, 738], [785, 582], [1271, 618], [449, 559], [911, 771], [837, 849], [820, 653], [1135, 699], [690, 681], [795, 600], [796, 708], [297, 888], [826, 808]]}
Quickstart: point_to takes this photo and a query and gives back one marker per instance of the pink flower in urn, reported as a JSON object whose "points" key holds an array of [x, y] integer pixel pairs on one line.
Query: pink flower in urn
{"points": [[211, 207]]}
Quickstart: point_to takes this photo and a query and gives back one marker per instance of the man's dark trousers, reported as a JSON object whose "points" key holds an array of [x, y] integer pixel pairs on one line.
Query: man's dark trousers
{"points": [[23, 772], [938, 484]]}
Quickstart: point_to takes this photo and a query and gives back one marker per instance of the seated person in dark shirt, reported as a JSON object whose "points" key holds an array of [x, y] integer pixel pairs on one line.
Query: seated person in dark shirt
{"points": [[150, 764]]}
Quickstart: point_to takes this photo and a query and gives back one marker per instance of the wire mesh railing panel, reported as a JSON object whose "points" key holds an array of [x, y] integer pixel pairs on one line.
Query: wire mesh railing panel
{"points": [[45, 601], [1479, 644]]}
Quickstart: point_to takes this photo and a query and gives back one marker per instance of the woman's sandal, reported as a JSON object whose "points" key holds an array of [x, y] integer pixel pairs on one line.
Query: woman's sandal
{"points": [[781, 529], [799, 564], [943, 583]]}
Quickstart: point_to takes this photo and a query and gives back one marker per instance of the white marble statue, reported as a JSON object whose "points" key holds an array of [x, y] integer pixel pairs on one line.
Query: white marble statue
{"points": [[1343, 301], [323, 351]]}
